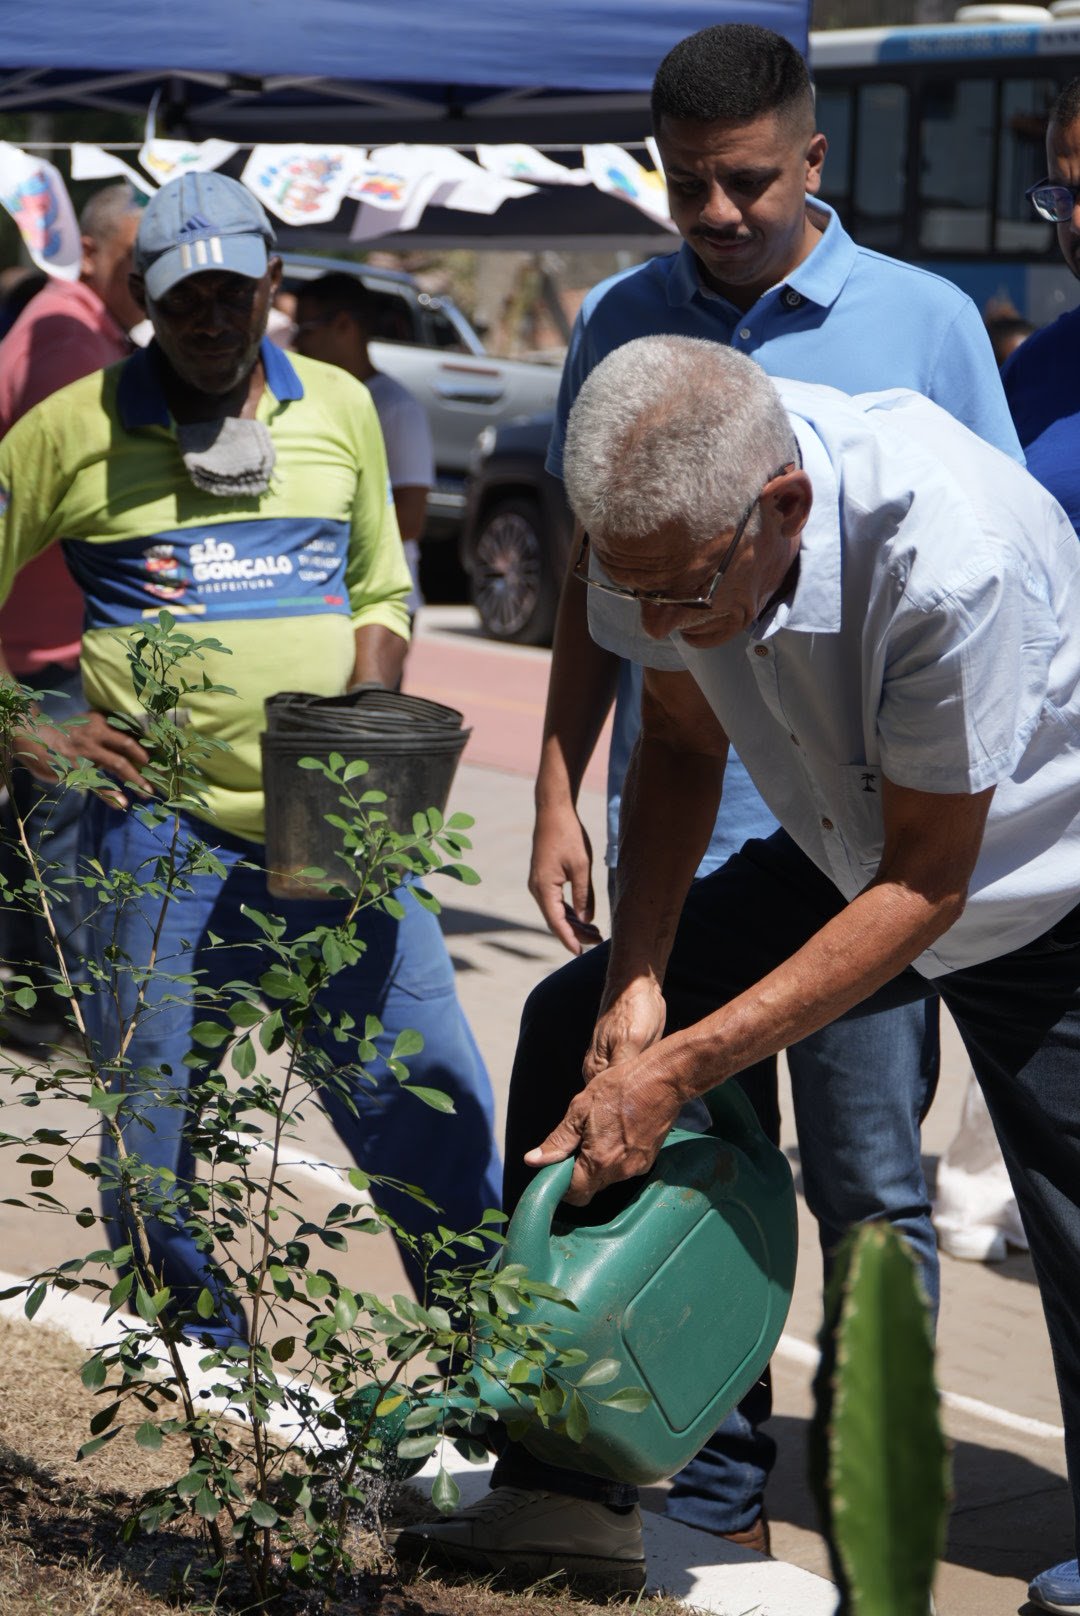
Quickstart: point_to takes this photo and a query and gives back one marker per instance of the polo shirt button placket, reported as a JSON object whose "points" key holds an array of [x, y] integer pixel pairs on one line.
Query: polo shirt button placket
{"points": [[745, 333], [791, 299]]}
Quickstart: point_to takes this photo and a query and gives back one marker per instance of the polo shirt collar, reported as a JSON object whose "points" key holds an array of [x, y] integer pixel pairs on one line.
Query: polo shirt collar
{"points": [[819, 278], [140, 397], [815, 605]]}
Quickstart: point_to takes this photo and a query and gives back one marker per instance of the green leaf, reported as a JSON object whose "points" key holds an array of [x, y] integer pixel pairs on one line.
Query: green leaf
{"points": [[632, 1399], [34, 1300], [437, 1100], [243, 1057], [263, 1514], [407, 1042], [318, 1285], [576, 1424], [204, 1304], [93, 1374], [283, 1350], [148, 1436], [207, 1505], [98, 1442], [210, 1034], [103, 1418], [445, 1492], [346, 1309], [359, 1180], [599, 1373], [418, 1447]]}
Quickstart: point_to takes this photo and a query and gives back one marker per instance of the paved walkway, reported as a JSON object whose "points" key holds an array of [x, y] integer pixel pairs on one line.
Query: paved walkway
{"points": [[1011, 1514]]}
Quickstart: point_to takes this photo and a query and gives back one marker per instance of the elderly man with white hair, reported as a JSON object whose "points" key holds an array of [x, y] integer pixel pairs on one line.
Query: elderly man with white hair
{"points": [[882, 614]]}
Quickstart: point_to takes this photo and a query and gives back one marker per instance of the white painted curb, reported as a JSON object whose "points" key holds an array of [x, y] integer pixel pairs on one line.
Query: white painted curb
{"points": [[700, 1570]]}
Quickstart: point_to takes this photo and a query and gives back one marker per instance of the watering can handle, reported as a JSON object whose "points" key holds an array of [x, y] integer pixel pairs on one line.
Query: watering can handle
{"points": [[530, 1226]]}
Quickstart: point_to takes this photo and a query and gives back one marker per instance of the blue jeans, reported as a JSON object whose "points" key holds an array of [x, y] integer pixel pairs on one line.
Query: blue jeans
{"points": [[405, 978], [860, 1090], [1018, 1016], [52, 813]]}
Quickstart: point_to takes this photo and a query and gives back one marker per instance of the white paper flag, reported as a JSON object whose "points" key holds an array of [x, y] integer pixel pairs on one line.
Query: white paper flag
{"points": [[458, 182], [390, 200], [95, 163], [166, 159], [526, 163], [302, 184], [35, 195], [614, 171]]}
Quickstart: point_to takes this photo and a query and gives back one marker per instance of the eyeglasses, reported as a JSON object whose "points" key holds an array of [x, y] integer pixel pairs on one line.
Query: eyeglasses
{"points": [[655, 597], [1054, 203]]}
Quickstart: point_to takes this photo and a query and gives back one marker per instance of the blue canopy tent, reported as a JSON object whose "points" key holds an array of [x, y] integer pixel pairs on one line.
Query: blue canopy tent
{"points": [[372, 73]]}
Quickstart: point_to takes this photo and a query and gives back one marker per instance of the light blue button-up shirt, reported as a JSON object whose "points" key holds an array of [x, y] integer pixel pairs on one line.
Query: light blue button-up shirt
{"points": [[933, 637], [845, 316]]}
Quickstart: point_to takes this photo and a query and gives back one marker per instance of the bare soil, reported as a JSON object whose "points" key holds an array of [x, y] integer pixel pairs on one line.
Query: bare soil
{"points": [[61, 1552]]}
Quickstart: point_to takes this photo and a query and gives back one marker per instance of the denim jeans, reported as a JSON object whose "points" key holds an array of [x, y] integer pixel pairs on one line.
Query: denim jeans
{"points": [[1018, 1016], [860, 1090], [52, 813], [405, 978]]}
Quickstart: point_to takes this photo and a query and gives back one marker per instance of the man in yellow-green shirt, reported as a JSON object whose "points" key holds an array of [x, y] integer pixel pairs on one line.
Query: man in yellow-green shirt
{"points": [[248, 494]]}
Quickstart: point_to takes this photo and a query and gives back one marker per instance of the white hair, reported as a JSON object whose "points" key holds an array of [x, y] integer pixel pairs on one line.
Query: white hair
{"points": [[672, 430]]}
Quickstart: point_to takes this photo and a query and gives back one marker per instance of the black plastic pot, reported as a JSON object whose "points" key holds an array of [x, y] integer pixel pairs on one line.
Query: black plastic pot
{"points": [[412, 747]]}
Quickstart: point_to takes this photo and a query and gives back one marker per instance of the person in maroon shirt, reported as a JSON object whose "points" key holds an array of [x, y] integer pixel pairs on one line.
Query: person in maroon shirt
{"points": [[67, 330]]}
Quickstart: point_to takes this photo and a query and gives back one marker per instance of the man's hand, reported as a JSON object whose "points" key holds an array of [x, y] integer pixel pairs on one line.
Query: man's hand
{"points": [[90, 738], [616, 1126], [561, 854], [628, 1025]]}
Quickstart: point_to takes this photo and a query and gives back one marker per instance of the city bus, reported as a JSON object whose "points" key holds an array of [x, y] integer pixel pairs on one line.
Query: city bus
{"points": [[935, 133]]}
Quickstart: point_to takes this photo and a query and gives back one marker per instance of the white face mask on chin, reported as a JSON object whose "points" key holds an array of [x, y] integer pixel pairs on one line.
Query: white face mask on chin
{"points": [[229, 458]]}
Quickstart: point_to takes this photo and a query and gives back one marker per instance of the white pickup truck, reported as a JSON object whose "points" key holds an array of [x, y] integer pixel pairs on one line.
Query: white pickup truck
{"points": [[428, 345]]}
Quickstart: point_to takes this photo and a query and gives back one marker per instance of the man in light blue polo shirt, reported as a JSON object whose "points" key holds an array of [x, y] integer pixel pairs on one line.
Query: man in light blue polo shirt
{"points": [[883, 612], [766, 270]]}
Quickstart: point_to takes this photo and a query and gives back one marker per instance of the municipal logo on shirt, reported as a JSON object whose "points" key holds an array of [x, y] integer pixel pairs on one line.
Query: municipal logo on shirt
{"points": [[276, 567]]}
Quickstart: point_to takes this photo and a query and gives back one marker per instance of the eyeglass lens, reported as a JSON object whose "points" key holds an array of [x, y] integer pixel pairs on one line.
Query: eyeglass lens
{"points": [[1055, 203]]}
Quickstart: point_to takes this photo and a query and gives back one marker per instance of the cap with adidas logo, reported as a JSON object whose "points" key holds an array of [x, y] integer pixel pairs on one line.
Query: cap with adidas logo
{"points": [[201, 222]]}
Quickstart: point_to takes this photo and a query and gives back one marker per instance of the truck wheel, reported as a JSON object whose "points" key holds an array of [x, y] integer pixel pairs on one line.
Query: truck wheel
{"points": [[512, 578]]}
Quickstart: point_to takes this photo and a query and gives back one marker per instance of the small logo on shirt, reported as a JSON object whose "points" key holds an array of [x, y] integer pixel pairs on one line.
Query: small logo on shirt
{"points": [[5, 499], [869, 783]]}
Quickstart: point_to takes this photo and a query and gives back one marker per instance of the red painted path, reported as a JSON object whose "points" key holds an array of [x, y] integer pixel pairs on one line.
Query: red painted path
{"points": [[501, 689]]}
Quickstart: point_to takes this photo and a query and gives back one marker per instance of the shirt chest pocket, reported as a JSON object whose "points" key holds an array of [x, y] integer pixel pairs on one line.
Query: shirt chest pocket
{"points": [[848, 802]]}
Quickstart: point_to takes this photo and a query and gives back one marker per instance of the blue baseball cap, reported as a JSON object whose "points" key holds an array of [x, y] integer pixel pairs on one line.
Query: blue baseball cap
{"points": [[197, 223]]}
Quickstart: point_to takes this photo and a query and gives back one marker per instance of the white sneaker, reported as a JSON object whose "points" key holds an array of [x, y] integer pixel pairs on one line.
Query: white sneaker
{"points": [[530, 1535]]}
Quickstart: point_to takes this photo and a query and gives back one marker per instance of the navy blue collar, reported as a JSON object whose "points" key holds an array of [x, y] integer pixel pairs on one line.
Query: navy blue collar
{"points": [[140, 397]]}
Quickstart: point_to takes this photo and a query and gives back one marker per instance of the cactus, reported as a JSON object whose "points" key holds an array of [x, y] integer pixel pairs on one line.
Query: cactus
{"points": [[878, 1464]]}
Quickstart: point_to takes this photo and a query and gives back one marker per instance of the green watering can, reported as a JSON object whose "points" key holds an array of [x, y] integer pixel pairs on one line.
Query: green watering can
{"points": [[688, 1286]]}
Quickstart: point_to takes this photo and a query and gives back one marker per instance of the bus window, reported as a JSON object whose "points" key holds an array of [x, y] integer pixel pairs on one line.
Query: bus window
{"points": [[833, 118], [956, 165], [1025, 104], [877, 215]]}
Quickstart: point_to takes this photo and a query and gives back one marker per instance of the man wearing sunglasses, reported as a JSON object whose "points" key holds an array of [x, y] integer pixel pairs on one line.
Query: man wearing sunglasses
{"points": [[1042, 384], [767, 269]]}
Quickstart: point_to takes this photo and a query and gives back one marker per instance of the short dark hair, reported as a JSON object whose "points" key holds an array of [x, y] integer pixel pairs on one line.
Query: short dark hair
{"points": [[340, 293], [1066, 109], [732, 70]]}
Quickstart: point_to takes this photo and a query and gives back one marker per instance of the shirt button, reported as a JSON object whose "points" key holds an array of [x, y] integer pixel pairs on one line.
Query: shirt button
{"points": [[791, 299], [826, 824], [745, 333], [761, 650]]}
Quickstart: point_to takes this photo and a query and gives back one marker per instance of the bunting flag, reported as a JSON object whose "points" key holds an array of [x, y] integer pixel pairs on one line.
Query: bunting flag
{"points": [[526, 163], [459, 182], [166, 159], [95, 163], [35, 195], [392, 197], [614, 171], [302, 184]]}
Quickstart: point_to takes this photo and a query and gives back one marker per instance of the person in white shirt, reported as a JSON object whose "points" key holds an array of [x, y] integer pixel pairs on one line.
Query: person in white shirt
{"points": [[880, 612], [335, 321]]}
